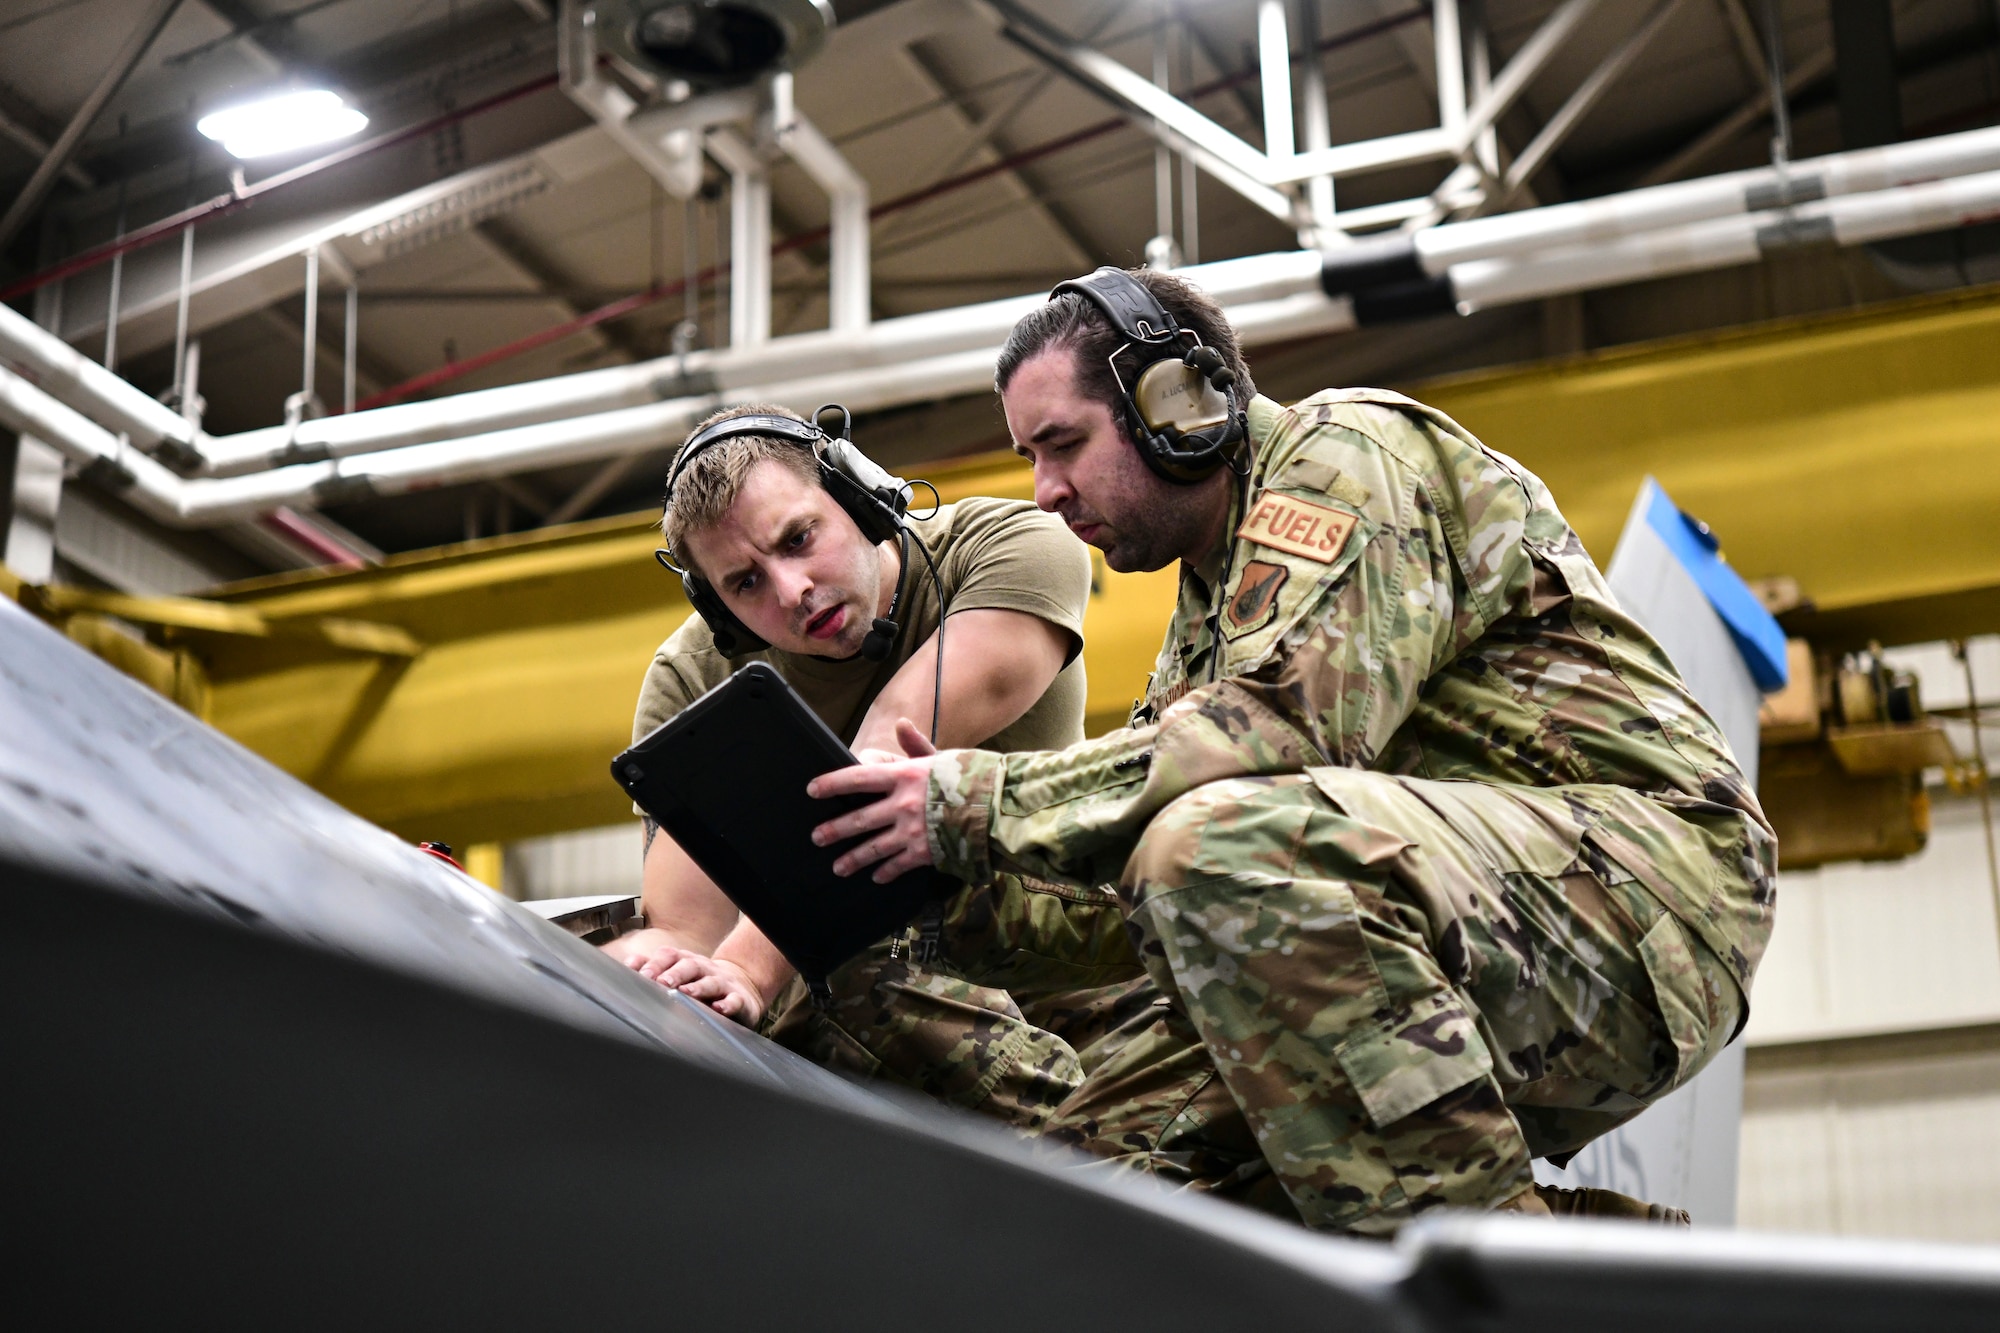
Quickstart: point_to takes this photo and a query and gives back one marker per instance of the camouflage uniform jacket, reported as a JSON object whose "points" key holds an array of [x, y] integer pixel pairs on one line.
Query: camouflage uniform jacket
{"points": [[1396, 597]]}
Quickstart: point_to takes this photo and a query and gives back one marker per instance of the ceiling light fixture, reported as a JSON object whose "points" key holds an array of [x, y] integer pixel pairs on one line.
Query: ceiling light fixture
{"points": [[283, 123], [711, 44]]}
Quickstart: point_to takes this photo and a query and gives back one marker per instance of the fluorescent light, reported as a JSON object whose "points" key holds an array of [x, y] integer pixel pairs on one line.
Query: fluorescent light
{"points": [[282, 123]]}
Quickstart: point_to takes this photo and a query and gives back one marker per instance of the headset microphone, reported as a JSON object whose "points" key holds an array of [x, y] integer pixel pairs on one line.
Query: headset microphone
{"points": [[882, 634]]}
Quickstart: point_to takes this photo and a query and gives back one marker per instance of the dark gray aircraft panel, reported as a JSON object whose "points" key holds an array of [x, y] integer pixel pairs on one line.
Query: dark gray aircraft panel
{"points": [[266, 1066]]}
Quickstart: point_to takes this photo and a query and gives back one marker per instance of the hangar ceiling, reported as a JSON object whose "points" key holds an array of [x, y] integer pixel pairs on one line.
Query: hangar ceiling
{"points": [[500, 236]]}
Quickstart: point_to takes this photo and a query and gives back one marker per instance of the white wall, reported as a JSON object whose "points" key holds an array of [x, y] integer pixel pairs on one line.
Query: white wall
{"points": [[573, 865]]}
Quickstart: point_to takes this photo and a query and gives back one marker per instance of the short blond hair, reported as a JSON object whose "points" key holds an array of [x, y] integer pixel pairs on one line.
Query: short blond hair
{"points": [[714, 478]]}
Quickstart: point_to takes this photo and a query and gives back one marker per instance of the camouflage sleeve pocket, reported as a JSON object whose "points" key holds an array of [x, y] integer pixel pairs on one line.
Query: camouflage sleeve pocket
{"points": [[1414, 1058]]}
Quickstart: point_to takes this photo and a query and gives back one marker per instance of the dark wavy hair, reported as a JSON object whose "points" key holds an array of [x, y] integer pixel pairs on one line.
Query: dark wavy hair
{"points": [[1071, 321]]}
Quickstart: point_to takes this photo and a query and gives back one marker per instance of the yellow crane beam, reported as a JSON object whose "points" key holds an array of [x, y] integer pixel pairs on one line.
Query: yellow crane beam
{"points": [[476, 693]]}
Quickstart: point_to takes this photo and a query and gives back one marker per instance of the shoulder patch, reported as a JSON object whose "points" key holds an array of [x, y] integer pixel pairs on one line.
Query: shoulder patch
{"points": [[1297, 527], [1256, 594]]}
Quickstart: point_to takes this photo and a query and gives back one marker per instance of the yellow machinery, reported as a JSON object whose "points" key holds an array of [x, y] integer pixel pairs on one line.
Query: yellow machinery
{"points": [[475, 693]]}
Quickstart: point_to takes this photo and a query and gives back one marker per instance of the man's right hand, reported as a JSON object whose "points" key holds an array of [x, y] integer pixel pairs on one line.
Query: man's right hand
{"points": [[648, 952], [720, 984]]}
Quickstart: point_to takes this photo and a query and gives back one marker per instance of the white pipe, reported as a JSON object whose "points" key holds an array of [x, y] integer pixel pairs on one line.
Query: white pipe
{"points": [[153, 490], [1274, 59], [1298, 312], [88, 387], [1854, 219], [1450, 57], [1621, 215], [848, 284], [749, 238], [1597, 221], [884, 343], [208, 501]]}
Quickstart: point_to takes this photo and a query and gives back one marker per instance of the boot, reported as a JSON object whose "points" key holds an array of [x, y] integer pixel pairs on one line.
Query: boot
{"points": [[1605, 1203]]}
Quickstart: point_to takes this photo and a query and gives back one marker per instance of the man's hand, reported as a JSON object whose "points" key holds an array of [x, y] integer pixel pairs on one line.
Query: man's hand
{"points": [[904, 841], [641, 950], [909, 736], [720, 984]]}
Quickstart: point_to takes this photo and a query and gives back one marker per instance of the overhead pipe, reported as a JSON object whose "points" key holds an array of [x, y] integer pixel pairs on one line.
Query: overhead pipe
{"points": [[1714, 243], [1381, 262], [1855, 219], [662, 121], [87, 387], [736, 374], [724, 370], [210, 501], [108, 459], [1396, 277], [660, 424]]}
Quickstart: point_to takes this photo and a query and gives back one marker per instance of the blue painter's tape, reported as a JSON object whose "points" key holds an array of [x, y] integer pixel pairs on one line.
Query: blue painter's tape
{"points": [[1756, 634]]}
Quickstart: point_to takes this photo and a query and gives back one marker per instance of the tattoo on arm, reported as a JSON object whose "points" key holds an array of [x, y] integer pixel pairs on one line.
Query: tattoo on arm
{"points": [[651, 828]]}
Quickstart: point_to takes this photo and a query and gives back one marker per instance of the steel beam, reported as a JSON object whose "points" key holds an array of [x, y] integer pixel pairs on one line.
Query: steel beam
{"points": [[1727, 130], [1431, 145], [749, 237], [113, 78], [1588, 94], [1450, 62]]}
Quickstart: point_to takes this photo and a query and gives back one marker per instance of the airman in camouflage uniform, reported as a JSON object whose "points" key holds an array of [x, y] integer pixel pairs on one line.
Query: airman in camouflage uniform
{"points": [[1426, 841], [1445, 864]]}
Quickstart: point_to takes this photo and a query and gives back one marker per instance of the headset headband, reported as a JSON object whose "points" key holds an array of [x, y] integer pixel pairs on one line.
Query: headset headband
{"points": [[805, 434], [1135, 314]]}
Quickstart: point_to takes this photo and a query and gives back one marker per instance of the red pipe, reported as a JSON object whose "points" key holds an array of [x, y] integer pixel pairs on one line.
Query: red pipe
{"points": [[430, 379], [222, 204]]}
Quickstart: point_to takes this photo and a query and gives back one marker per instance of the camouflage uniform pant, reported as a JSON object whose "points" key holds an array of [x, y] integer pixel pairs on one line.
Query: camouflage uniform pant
{"points": [[1408, 989], [1037, 984]]}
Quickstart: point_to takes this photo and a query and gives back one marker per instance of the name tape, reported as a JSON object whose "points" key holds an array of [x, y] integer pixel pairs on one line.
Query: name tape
{"points": [[1298, 527]]}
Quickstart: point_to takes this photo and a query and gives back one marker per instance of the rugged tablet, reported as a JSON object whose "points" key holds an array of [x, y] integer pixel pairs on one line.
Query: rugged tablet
{"points": [[726, 777]]}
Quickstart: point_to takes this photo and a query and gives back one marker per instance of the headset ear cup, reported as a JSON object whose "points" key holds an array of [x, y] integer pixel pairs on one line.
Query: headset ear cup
{"points": [[877, 521]]}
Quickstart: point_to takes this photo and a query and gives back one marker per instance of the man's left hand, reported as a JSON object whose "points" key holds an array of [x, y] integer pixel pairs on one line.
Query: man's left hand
{"points": [[902, 836]]}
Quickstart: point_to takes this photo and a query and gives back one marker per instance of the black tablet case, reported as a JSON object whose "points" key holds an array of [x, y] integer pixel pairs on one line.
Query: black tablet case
{"points": [[726, 777]]}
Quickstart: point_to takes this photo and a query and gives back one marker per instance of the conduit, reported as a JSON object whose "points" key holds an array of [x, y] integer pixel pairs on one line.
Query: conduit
{"points": [[724, 371], [209, 501], [81, 383], [1854, 219], [1397, 277], [621, 409], [1384, 261]]}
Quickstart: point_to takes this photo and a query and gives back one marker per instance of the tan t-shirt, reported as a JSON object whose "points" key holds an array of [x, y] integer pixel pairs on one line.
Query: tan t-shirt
{"points": [[991, 555]]}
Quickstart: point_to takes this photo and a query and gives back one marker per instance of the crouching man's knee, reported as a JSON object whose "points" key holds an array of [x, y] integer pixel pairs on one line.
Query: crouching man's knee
{"points": [[1210, 833]]}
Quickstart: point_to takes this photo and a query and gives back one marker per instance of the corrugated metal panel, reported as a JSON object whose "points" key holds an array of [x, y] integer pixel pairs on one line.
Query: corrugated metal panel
{"points": [[1857, 1139], [1884, 948]]}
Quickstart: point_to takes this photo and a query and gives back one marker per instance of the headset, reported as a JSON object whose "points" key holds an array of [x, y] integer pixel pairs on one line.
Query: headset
{"points": [[1182, 407], [874, 499]]}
